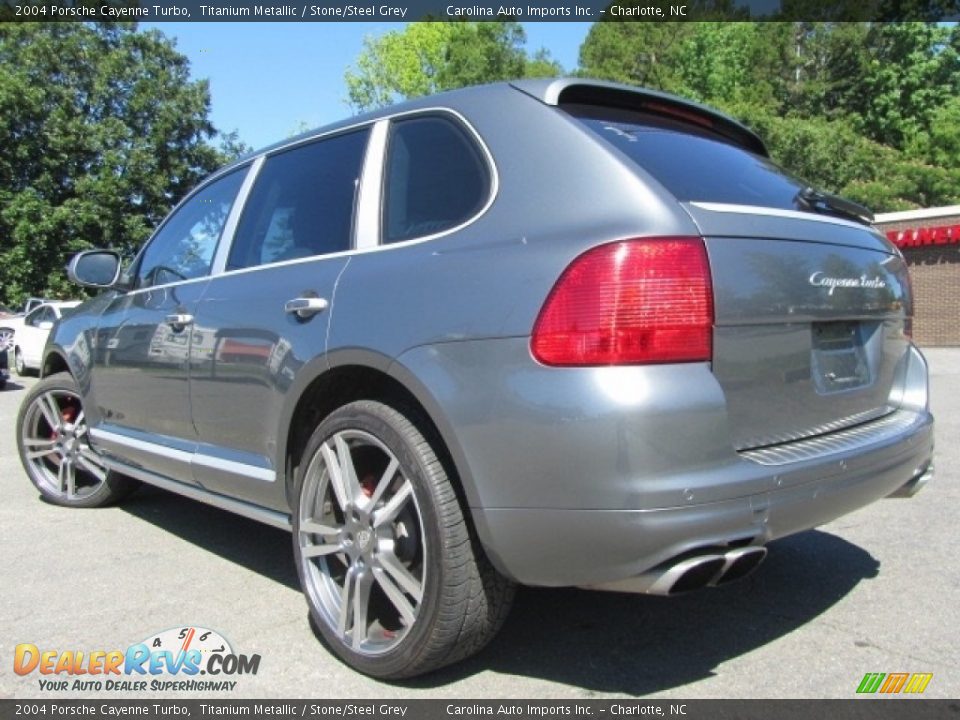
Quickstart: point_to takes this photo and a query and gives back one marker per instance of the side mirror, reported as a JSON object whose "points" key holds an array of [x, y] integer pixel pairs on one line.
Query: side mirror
{"points": [[45, 325], [94, 268]]}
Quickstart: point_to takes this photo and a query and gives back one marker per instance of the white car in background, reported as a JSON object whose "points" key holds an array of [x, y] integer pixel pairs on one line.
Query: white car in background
{"points": [[30, 334]]}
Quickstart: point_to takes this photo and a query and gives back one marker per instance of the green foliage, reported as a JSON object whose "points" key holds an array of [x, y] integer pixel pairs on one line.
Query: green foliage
{"points": [[429, 57], [637, 53], [102, 131], [867, 110]]}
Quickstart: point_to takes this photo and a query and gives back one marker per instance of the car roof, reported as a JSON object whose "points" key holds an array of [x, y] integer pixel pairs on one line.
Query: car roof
{"points": [[549, 91], [58, 304]]}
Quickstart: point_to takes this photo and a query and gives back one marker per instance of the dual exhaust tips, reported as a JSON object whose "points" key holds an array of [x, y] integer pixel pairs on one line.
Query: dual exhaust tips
{"points": [[694, 571]]}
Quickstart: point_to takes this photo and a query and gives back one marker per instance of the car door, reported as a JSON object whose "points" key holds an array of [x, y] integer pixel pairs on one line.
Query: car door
{"points": [[264, 320], [140, 373], [36, 328]]}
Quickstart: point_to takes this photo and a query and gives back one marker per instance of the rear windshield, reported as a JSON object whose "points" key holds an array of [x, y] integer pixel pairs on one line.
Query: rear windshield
{"points": [[693, 163]]}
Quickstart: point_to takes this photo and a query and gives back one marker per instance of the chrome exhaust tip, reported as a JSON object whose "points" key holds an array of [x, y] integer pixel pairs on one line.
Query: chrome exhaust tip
{"points": [[692, 574], [714, 566], [670, 578], [914, 484], [739, 563]]}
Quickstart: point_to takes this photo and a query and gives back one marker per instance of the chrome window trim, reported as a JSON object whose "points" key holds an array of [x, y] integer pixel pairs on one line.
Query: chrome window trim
{"points": [[774, 212], [367, 233], [494, 188], [357, 250], [225, 243], [212, 178]]}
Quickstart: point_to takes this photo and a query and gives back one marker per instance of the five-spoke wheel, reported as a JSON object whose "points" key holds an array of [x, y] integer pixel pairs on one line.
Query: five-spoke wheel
{"points": [[361, 542], [393, 578], [54, 443]]}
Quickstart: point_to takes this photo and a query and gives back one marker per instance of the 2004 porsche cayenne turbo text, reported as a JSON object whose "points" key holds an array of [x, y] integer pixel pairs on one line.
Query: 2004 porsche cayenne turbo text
{"points": [[558, 332]]}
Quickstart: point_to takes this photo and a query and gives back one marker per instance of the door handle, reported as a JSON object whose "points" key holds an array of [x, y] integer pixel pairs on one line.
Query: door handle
{"points": [[179, 321], [305, 307]]}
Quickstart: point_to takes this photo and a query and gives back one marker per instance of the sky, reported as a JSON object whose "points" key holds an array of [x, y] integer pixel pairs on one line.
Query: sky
{"points": [[270, 80]]}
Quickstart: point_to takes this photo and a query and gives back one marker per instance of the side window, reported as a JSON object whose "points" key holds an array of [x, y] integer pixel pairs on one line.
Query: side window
{"points": [[302, 203], [183, 248], [436, 178], [37, 316]]}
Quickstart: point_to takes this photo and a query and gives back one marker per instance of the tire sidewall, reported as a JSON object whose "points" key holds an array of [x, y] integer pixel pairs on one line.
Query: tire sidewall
{"points": [[61, 381], [364, 416]]}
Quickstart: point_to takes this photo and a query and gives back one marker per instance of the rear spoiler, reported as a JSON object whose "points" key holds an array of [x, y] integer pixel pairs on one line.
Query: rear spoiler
{"points": [[605, 94]]}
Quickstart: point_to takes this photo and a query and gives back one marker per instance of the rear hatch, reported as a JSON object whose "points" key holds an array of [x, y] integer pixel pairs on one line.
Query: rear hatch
{"points": [[811, 305]]}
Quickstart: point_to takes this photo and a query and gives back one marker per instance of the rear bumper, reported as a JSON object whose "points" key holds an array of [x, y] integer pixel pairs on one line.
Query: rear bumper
{"points": [[591, 547], [586, 476]]}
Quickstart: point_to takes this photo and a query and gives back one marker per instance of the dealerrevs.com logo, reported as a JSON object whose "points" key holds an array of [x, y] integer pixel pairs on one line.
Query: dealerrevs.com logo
{"points": [[179, 659]]}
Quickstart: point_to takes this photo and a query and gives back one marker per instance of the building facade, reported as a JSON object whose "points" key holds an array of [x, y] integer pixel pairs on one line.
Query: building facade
{"points": [[930, 241]]}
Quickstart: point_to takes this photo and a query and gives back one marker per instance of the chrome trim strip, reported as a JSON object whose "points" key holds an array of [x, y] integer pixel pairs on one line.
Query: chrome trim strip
{"points": [[142, 445], [775, 212], [247, 510], [889, 427], [371, 187], [188, 458], [233, 219], [758, 443], [236, 468]]}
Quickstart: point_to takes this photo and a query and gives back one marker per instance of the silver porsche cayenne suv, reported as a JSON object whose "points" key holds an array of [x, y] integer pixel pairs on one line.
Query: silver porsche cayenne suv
{"points": [[556, 333]]}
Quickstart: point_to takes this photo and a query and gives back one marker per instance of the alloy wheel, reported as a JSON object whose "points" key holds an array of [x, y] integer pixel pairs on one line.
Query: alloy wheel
{"points": [[362, 543], [56, 447]]}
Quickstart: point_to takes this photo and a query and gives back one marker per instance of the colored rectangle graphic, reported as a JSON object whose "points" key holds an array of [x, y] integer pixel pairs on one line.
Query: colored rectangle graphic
{"points": [[894, 683]]}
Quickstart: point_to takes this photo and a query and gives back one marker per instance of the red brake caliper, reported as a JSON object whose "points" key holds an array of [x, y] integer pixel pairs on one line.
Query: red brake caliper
{"points": [[368, 484], [68, 414]]}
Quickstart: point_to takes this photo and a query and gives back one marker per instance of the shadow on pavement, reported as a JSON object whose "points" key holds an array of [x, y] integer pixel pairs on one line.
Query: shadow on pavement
{"points": [[265, 550], [641, 644], [602, 642]]}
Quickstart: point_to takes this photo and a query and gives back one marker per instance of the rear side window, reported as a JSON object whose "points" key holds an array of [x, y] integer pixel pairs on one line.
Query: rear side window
{"points": [[693, 163], [302, 203], [436, 178]]}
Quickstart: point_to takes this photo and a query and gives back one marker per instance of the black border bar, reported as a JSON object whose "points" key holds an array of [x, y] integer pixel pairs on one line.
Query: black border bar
{"points": [[482, 10]]}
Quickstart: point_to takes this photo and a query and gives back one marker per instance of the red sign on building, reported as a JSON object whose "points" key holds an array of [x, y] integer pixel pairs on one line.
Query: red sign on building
{"points": [[921, 237]]}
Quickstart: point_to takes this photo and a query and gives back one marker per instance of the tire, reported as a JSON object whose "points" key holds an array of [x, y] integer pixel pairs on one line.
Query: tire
{"points": [[18, 363], [54, 445], [387, 527]]}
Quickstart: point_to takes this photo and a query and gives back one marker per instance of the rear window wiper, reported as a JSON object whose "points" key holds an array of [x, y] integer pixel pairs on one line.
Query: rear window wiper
{"points": [[817, 201]]}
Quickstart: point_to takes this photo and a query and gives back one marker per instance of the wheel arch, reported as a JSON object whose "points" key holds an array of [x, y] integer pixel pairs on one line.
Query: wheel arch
{"points": [[352, 375], [55, 361]]}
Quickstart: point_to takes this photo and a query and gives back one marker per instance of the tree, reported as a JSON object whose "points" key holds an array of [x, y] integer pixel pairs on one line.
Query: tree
{"points": [[867, 110], [637, 53], [102, 131], [429, 57]]}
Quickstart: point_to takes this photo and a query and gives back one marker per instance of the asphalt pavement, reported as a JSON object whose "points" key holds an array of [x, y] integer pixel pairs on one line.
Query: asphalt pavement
{"points": [[876, 591]]}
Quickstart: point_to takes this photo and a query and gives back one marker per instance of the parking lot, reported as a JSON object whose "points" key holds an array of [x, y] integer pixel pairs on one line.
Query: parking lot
{"points": [[876, 591]]}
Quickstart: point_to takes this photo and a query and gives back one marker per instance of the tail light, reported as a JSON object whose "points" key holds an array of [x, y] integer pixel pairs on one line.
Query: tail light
{"points": [[632, 302]]}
